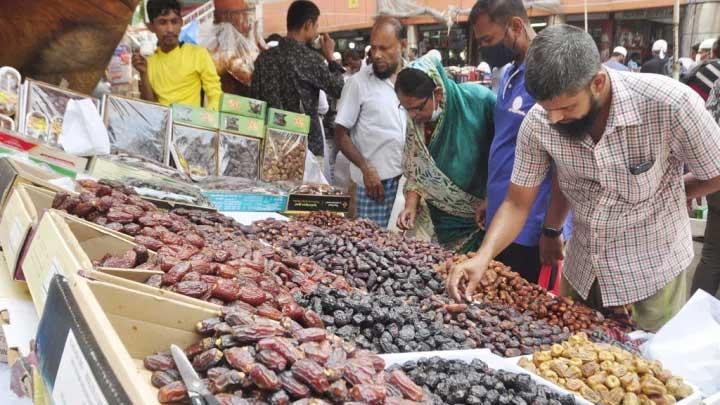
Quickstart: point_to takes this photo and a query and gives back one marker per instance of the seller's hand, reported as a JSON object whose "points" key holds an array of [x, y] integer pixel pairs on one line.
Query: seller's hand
{"points": [[328, 46], [551, 249], [470, 270], [406, 219], [480, 214], [373, 185], [139, 62]]}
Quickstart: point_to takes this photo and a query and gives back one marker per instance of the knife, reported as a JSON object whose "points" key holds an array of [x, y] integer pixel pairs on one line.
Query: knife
{"points": [[197, 391]]}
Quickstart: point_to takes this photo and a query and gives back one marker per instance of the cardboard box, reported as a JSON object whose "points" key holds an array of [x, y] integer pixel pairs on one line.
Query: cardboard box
{"points": [[63, 244], [311, 202], [13, 172], [288, 121], [44, 153], [195, 116], [22, 213], [247, 107], [240, 125], [248, 202], [93, 337]]}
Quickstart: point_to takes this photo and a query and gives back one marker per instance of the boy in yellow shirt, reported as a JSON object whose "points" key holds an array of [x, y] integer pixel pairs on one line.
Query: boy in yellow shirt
{"points": [[177, 71]]}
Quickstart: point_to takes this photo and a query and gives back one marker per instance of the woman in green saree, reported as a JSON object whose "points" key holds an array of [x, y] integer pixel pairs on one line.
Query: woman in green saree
{"points": [[446, 152]]}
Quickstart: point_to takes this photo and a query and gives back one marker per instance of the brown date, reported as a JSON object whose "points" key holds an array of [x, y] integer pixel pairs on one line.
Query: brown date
{"points": [[162, 378], [240, 359], [119, 216], [195, 289], [207, 326], [173, 392], [408, 388], [254, 333], [207, 359], [159, 362], [338, 391], [176, 273], [310, 335], [312, 374], [226, 290], [264, 378], [368, 393], [252, 295], [272, 359], [149, 242], [292, 386]]}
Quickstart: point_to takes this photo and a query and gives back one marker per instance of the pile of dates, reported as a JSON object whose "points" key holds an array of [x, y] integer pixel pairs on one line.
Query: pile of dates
{"points": [[499, 328], [459, 382], [383, 323], [606, 374], [206, 258], [367, 266], [246, 359], [501, 285]]}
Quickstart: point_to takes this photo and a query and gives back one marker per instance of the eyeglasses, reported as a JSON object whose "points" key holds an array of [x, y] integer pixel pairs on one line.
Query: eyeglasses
{"points": [[416, 109]]}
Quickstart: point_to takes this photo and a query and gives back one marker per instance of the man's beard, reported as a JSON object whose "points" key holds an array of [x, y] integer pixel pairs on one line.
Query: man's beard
{"points": [[578, 129], [387, 73]]}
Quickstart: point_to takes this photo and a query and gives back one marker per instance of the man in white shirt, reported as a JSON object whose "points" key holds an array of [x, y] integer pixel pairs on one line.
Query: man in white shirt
{"points": [[370, 127], [617, 59]]}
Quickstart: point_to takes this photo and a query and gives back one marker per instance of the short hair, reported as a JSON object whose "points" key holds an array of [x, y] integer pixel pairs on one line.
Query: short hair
{"points": [[300, 12], [398, 27], [696, 47], [561, 59], [618, 54], [497, 10], [414, 83], [157, 8], [353, 54], [716, 48], [273, 37]]}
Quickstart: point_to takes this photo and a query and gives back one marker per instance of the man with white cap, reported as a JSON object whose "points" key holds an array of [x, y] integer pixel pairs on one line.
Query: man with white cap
{"points": [[707, 70], [705, 50], [617, 59], [659, 62]]}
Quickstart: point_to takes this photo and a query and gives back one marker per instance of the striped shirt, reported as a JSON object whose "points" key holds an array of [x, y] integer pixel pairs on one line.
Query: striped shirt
{"points": [[702, 77], [632, 231]]}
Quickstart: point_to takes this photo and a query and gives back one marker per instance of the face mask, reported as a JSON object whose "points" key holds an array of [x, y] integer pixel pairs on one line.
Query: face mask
{"points": [[579, 128], [498, 55], [436, 112]]}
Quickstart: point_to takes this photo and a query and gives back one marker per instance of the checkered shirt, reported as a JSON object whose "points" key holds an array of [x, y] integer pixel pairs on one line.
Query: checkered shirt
{"points": [[373, 210], [631, 231]]}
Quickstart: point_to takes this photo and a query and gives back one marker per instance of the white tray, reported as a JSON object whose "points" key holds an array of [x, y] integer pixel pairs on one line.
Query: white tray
{"points": [[492, 360]]}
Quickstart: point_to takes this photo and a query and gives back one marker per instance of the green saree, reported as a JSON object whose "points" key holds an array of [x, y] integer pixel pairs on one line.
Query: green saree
{"points": [[450, 172]]}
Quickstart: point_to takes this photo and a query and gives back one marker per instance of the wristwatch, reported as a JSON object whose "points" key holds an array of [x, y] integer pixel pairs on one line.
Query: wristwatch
{"points": [[552, 232]]}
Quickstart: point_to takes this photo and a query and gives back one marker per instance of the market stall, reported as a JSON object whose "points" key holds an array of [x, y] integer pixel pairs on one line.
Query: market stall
{"points": [[193, 261]]}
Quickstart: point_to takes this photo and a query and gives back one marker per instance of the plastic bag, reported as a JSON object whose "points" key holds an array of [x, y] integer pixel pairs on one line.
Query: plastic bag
{"points": [[283, 156], [83, 132], [231, 51], [239, 156], [138, 126], [197, 150], [689, 344], [313, 170], [240, 184]]}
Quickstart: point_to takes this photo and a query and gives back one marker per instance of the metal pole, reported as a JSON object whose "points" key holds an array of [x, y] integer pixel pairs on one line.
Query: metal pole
{"points": [[586, 16], [676, 35]]}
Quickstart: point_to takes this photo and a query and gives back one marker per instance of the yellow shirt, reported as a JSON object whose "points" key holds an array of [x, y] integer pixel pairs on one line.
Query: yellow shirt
{"points": [[178, 76]]}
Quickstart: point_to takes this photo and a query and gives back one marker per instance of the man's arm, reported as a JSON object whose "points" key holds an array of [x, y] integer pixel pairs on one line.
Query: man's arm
{"points": [[140, 64], [505, 227], [329, 79], [531, 165], [551, 249], [373, 185], [209, 79]]}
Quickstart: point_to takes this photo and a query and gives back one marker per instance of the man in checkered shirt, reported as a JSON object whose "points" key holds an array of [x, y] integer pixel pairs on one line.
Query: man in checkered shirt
{"points": [[618, 142]]}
